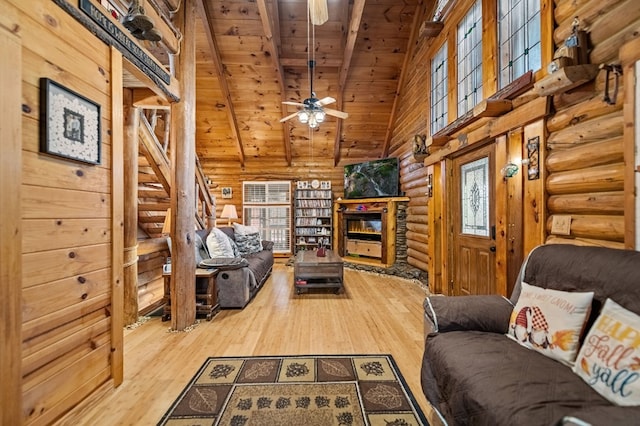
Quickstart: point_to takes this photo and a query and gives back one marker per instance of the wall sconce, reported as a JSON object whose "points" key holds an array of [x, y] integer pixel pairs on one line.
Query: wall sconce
{"points": [[532, 160], [509, 170]]}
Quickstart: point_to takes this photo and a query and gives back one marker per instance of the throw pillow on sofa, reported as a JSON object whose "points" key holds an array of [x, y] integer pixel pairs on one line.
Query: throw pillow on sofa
{"points": [[550, 321], [234, 247], [219, 244], [248, 243], [247, 238], [609, 360], [200, 247]]}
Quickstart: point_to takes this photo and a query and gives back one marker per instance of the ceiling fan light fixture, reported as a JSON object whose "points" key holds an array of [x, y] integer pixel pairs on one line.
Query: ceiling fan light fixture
{"points": [[313, 123], [320, 116], [303, 116]]}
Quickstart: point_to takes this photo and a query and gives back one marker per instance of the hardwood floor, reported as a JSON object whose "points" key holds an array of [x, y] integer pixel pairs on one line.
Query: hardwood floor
{"points": [[375, 314]]}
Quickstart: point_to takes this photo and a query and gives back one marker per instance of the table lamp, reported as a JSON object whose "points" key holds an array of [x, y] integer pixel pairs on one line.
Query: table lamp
{"points": [[229, 212]]}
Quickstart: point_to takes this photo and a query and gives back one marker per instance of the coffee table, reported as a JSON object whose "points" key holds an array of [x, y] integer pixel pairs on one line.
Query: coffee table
{"points": [[312, 271]]}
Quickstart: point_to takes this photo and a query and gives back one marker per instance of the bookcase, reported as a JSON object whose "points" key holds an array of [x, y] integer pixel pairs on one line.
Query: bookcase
{"points": [[313, 218]]}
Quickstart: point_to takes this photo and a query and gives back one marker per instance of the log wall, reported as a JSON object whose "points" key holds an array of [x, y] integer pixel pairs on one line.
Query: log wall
{"points": [[412, 119], [231, 174], [66, 219], [585, 161]]}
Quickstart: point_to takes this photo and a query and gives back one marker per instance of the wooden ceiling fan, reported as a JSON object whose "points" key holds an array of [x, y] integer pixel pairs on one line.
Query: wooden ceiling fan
{"points": [[313, 110]]}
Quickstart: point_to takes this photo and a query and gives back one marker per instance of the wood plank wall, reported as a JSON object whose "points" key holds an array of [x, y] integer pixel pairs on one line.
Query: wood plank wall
{"points": [[585, 158], [66, 222]]}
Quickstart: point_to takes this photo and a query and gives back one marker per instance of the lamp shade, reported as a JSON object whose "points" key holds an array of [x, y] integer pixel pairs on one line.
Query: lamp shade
{"points": [[229, 212]]}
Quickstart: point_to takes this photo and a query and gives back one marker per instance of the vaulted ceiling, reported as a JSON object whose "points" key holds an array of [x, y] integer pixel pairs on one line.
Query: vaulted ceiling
{"points": [[252, 55]]}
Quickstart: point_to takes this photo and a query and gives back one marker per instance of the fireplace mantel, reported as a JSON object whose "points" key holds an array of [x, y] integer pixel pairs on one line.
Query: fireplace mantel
{"points": [[365, 229]]}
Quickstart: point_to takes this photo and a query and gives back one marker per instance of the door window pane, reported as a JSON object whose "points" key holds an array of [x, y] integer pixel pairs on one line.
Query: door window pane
{"points": [[474, 184]]}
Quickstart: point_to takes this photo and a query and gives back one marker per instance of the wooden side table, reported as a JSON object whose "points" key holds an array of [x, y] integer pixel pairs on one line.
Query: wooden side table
{"points": [[206, 294]]}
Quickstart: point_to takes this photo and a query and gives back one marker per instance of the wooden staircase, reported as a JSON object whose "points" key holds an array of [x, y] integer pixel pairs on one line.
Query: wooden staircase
{"points": [[154, 178]]}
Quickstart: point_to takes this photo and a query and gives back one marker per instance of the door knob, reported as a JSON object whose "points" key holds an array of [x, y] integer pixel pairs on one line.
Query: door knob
{"points": [[492, 249]]}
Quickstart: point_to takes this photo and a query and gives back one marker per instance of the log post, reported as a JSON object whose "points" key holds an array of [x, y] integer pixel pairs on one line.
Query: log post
{"points": [[183, 293], [117, 219], [132, 122]]}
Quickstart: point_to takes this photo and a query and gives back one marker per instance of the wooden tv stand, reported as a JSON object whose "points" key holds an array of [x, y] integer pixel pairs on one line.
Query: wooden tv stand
{"points": [[365, 230]]}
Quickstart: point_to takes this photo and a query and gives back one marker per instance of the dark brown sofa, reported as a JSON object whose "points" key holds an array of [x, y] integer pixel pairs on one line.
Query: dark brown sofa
{"points": [[474, 375], [237, 285]]}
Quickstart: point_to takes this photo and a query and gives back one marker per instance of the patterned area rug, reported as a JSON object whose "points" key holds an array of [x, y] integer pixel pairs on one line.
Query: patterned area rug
{"points": [[297, 390]]}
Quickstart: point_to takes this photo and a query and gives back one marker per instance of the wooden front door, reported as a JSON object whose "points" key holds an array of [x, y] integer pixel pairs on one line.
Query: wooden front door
{"points": [[473, 221]]}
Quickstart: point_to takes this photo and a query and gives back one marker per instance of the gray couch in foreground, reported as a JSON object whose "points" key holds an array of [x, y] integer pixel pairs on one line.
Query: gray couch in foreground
{"points": [[237, 285], [475, 375]]}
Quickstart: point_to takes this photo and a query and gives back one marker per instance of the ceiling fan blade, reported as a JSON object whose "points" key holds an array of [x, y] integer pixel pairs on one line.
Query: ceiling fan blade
{"points": [[325, 101], [288, 117], [336, 113], [293, 103], [318, 11]]}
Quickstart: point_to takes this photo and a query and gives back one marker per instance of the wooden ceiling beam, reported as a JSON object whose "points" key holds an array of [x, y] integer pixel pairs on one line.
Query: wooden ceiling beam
{"points": [[271, 25], [417, 16], [304, 63], [352, 36], [205, 13]]}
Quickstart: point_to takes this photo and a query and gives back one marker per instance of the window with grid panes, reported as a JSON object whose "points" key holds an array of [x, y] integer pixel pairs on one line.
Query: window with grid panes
{"points": [[470, 59], [267, 206], [518, 39], [439, 90]]}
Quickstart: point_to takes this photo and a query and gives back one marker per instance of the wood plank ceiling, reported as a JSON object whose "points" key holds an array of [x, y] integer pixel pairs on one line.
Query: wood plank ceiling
{"points": [[252, 55]]}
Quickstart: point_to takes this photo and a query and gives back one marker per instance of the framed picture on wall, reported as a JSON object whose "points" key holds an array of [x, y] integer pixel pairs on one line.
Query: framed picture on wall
{"points": [[227, 192], [69, 124]]}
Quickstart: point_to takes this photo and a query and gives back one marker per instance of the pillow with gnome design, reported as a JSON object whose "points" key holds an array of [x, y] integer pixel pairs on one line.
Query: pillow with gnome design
{"points": [[609, 360], [550, 321]]}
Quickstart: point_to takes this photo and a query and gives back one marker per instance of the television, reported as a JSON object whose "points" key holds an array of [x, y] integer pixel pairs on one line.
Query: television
{"points": [[372, 179]]}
